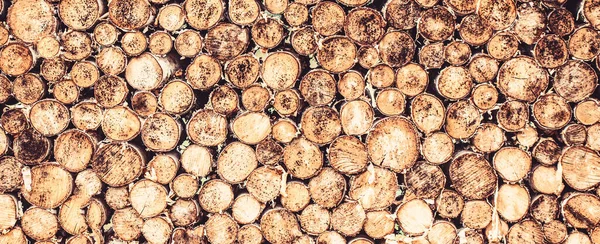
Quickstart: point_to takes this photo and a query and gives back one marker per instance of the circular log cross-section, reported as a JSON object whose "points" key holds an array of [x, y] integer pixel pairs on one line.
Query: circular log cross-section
{"points": [[425, 181], [162, 168], [49, 117], [255, 98], [364, 25], [584, 43], [318, 87], [203, 15], [474, 30], [449, 204], [105, 33], [456, 53], [160, 132], [307, 153], [207, 128], [236, 162], [396, 48], [188, 43], [31, 147], [133, 43], [86, 115], [77, 45], [432, 55], [399, 153], [84, 74], [11, 168], [246, 209], [512, 164], [127, 224], [314, 219], [160, 43], [16, 59], [576, 163], [269, 152], [380, 76], [147, 72], [279, 226], [527, 231], [296, 14], [171, 17], [267, 32], [436, 24], [414, 217], [304, 41], [177, 97], [412, 79], [243, 71], [112, 60], [66, 92], [321, 124], [552, 112], [280, 70], [31, 20], [39, 224], [129, 15], [575, 81], [117, 197], [512, 202], [148, 198], [348, 218], [348, 155], [265, 183], [296, 196], [9, 203], [390, 102], [48, 186], [454, 82], [225, 41], [287, 102], [327, 188], [462, 120], [476, 214], [437, 148], [110, 91], [53, 69], [578, 210], [184, 212], [251, 128], [196, 160], [203, 73], [157, 230], [118, 164], [28, 88], [120, 123], [244, 12], [14, 121], [498, 14], [488, 138], [74, 149], [328, 18], [472, 176], [374, 188], [522, 78], [427, 112]]}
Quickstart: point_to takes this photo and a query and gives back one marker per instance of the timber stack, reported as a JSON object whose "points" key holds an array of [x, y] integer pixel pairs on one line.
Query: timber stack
{"points": [[299, 121]]}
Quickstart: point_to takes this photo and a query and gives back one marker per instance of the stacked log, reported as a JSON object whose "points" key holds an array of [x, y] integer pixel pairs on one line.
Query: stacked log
{"points": [[299, 122]]}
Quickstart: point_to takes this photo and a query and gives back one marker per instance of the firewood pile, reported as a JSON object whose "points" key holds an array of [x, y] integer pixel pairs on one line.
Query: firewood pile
{"points": [[299, 121]]}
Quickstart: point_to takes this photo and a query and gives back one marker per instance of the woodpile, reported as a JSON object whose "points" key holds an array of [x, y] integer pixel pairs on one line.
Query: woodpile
{"points": [[299, 122]]}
